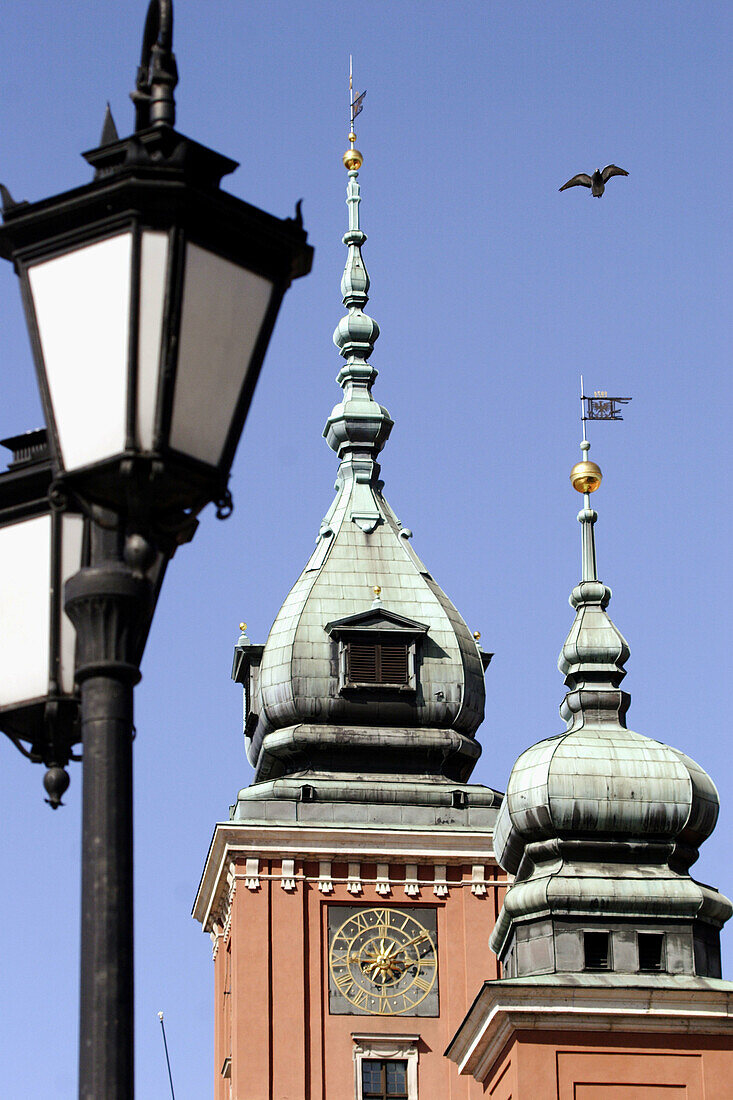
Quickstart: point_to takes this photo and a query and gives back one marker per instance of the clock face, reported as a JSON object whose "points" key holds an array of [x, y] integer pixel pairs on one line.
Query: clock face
{"points": [[383, 961]]}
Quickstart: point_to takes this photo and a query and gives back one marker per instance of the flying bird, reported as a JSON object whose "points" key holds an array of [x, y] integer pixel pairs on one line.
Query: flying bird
{"points": [[597, 182]]}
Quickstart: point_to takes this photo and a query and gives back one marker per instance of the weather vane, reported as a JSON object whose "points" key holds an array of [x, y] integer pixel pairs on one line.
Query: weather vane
{"points": [[356, 106], [352, 158], [600, 406]]}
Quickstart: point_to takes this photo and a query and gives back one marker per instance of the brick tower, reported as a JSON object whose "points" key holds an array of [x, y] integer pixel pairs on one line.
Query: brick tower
{"points": [[351, 894]]}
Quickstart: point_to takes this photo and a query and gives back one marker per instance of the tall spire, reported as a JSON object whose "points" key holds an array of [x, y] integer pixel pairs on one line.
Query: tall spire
{"points": [[593, 656], [358, 426], [599, 824], [311, 708]]}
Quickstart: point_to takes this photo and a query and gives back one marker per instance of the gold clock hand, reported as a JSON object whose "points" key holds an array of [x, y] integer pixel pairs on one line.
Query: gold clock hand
{"points": [[421, 936]]}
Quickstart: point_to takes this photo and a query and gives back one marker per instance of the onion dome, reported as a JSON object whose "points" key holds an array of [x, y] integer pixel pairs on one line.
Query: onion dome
{"points": [[600, 824], [369, 670]]}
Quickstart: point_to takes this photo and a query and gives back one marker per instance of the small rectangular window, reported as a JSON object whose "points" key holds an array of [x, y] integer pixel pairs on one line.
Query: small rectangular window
{"points": [[383, 1080], [596, 946], [651, 951], [375, 663]]}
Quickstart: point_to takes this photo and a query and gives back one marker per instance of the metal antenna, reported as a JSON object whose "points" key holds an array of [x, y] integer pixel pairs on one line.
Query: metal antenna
{"points": [[582, 409], [167, 1059]]}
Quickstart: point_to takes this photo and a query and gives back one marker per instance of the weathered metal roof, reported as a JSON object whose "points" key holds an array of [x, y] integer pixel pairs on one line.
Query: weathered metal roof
{"points": [[600, 822], [305, 718]]}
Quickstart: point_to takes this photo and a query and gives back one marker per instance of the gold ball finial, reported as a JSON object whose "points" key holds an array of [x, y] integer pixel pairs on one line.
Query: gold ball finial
{"points": [[353, 159], [377, 590], [586, 477], [243, 627], [352, 136], [477, 635]]}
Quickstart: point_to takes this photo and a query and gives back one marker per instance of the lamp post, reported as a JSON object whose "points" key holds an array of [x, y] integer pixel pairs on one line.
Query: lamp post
{"points": [[42, 543], [150, 296]]}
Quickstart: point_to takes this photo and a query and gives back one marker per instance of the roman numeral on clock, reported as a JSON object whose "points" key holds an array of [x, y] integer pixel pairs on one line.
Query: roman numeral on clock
{"points": [[343, 981]]}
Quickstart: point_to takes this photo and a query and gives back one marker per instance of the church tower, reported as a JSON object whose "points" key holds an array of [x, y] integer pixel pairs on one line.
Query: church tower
{"points": [[610, 950], [351, 894]]}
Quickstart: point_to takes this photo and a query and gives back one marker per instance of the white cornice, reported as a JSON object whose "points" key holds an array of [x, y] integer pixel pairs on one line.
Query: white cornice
{"points": [[323, 843], [683, 1007]]}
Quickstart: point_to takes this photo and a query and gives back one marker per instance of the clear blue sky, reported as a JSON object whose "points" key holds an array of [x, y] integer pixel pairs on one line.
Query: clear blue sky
{"points": [[493, 292]]}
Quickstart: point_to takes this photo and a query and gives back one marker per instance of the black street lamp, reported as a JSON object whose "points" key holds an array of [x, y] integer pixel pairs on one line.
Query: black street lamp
{"points": [[42, 543], [151, 296]]}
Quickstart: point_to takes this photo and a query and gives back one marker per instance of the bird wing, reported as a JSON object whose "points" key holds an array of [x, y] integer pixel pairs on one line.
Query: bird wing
{"points": [[612, 170], [582, 179]]}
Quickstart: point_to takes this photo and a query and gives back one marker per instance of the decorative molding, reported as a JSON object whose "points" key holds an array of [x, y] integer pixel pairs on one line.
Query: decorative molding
{"points": [[478, 880], [354, 885], [234, 840], [692, 1006], [383, 887], [222, 926], [440, 884], [404, 1047], [289, 881], [216, 936], [412, 886], [325, 882], [107, 604], [252, 873]]}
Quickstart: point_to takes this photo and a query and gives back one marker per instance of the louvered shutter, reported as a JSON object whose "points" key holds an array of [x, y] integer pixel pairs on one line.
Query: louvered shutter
{"points": [[362, 663], [377, 664], [393, 664]]}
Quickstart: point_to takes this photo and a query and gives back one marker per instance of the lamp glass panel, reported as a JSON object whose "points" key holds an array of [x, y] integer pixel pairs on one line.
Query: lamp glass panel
{"points": [[25, 610], [223, 310], [71, 550], [153, 268], [82, 305]]}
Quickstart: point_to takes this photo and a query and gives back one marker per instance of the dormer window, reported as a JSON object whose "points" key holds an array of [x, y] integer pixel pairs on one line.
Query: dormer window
{"points": [[377, 649], [246, 671]]}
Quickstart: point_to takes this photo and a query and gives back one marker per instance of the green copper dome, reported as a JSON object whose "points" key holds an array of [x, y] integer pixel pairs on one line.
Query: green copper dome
{"points": [[600, 824], [350, 687]]}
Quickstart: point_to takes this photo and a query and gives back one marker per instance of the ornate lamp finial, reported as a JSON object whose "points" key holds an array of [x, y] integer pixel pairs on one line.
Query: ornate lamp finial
{"points": [[157, 73]]}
